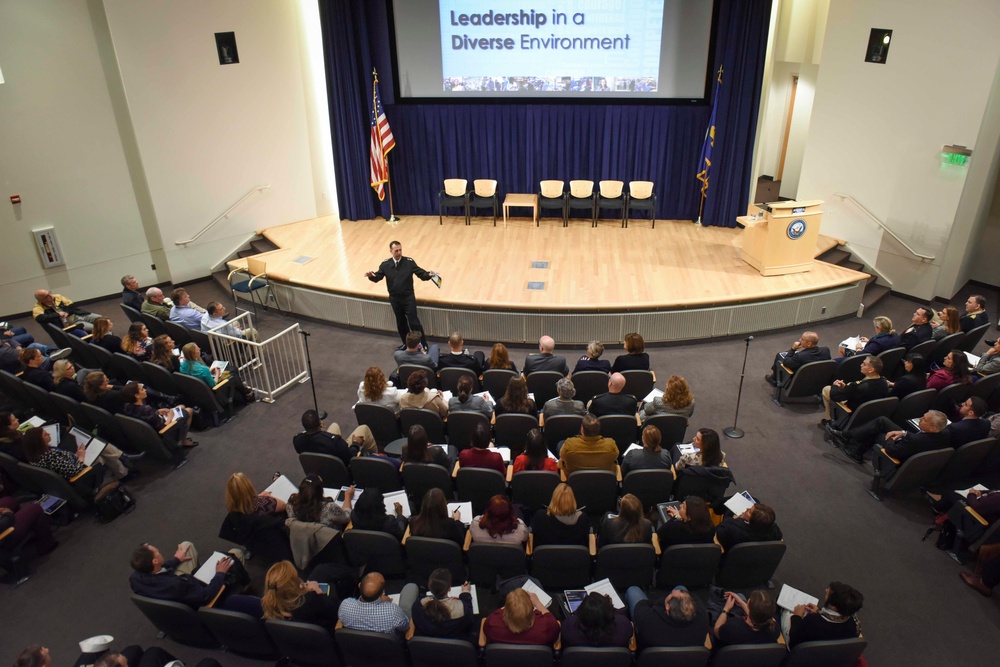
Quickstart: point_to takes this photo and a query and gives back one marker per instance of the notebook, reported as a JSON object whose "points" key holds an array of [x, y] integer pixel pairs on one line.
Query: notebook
{"points": [[207, 570], [282, 488]]}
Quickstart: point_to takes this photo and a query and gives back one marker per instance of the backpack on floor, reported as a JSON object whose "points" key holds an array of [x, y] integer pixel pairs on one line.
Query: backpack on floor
{"points": [[113, 504]]}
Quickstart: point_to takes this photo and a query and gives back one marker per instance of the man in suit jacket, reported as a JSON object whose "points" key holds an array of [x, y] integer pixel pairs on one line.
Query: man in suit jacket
{"points": [[893, 439], [398, 272], [868, 388], [315, 440], [545, 360], [458, 357], [415, 354], [172, 579], [920, 329], [613, 402], [975, 313], [803, 351], [971, 426]]}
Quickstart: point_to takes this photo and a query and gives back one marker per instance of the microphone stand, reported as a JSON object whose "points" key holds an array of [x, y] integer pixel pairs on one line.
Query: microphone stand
{"points": [[735, 431], [309, 366]]}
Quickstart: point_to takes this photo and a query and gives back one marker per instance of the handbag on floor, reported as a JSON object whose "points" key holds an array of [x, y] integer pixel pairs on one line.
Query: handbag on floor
{"points": [[113, 504]]}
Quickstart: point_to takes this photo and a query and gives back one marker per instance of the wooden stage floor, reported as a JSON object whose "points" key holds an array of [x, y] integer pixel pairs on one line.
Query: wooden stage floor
{"points": [[676, 265]]}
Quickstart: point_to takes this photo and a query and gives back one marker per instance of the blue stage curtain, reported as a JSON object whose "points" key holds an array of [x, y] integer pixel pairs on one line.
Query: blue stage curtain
{"points": [[522, 144]]}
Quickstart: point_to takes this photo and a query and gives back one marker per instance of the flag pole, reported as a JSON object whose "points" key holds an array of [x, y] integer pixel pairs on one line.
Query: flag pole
{"points": [[388, 182], [701, 207]]}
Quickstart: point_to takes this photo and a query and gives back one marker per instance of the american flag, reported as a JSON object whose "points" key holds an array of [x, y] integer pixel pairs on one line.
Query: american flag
{"points": [[381, 143]]}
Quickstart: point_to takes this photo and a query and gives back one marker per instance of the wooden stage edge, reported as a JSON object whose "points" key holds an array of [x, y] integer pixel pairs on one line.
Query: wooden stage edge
{"points": [[513, 283]]}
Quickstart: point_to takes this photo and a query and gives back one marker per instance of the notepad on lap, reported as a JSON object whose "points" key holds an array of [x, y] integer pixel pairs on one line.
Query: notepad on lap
{"points": [[282, 489], [740, 503], [95, 448], [504, 453], [634, 447], [656, 393], [604, 587], [850, 343], [397, 497], [789, 598], [543, 597], [965, 493], [464, 510], [207, 570], [221, 365]]}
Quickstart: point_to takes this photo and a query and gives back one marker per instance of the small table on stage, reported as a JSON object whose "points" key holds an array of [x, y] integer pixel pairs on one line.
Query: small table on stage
{"points": [[520, 200]]}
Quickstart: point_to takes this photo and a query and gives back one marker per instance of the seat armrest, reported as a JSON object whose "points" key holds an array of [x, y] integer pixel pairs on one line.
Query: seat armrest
{"points": [[5, 533], [541, 420], [454, 471], [217, 596], [618, 473], [531, 544], [406, 535], [787, 369], [656, 544], [80, 474], [843, 406], [168, 427], [977, 516], [592, 543], [468, 541], [883, 452], [482, 635], [223, 383], [510, 472]]}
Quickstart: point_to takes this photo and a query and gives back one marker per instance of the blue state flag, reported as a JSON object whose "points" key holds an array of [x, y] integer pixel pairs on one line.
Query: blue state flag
{"points": [[705, 161]]}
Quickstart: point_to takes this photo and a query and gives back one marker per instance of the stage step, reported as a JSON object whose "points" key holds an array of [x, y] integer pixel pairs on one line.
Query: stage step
{"points": [[836, 256], [261, 245], [873, 294], [220, 277], [247, 253], [854, 266]]}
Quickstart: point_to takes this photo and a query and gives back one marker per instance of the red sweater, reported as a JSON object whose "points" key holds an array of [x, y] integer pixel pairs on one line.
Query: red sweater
{"points": [[481, 458]]}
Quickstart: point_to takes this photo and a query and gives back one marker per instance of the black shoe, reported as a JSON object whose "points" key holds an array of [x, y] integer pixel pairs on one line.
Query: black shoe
{"points": [[854, 455], [823, 423], [132, 457], [401, 347], [769, 378], [836, 434], [991, 343]]}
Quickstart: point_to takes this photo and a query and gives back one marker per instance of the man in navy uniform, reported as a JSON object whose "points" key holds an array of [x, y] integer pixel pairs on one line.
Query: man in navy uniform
{"points": [[398, 272]]}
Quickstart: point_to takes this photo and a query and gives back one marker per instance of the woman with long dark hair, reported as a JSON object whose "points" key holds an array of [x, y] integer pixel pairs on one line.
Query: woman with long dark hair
{"points": [[596, 623], [465, 401], [756, 625], [915, 378], [690, 523], [441, 615], [628, 527], [516, 399], [369, 514], [536, 454], [435, 521], [309, 505], [418, 449], [707, 451]]}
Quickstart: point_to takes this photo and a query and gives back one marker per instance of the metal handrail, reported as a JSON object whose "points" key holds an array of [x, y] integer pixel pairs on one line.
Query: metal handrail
{"points": [[882, 225], [225, 214]]}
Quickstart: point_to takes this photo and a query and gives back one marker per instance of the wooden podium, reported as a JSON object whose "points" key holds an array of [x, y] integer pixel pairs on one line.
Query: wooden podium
{"points": [[782, 238]]}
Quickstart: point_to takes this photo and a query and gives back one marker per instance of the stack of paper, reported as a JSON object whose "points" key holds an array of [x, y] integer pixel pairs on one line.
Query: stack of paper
{"points": [[486, 396], [965, 492], [656, 393], [850, 343], [604, 587], [464, 509], [973, 359], [789, 598], [633, 448], [543, 597], [740, 503], [207, 570], [397, 497], [282, 488], [504, 453]]}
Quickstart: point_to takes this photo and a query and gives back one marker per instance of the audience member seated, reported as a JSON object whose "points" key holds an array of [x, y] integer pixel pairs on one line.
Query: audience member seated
{"points": [[986, 575], [635, 358], [185, 312], [192, 364], [989, 363], [134, 395], [563, 403], [596, 623], [480, 455], [516, 400], [103, 336], [136, 656], [522, 620], [955, 371], [137, 343], [37, 451], [691, 523], [894, 439], [173, 579], [56, 309], [754, 625], [837, 619], [102, 393], [64, 377], [885, 338], [32, 360], [592, 360], [614, 401], [163, 354], [375, 388], [18, 337], [417, 449], [288, 598], [589, 450], [755, 525], [971, 426], [803, 351], [369, 514], [215, 320], [440, 615], [678, 621], [434, 521], [544, 360], [913, 380], [629, 526], [868, 388], [309, 505], [466, 401], [975, 313], [676, 400], [950, 323], [418, 395], [154, 305], [242, 497], [707, 451], [10, 437], [499, 523], [317, 441], [131, 296], [650, 457], [374, 611], [414, 353], [500, 359], [561, 523], [920, 328], [458, 357], [536, 454], [28, 521]]}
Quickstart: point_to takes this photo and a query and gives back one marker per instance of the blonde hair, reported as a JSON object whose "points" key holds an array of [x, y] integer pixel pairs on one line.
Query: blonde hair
{"points": [[563, 501], [882, 324], [58, 368], [518, 611], [240, 494], [283, 591], [188, 351]]}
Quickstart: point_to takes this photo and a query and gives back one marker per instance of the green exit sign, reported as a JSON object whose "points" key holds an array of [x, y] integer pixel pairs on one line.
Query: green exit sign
{"points": [[955, 155]]}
